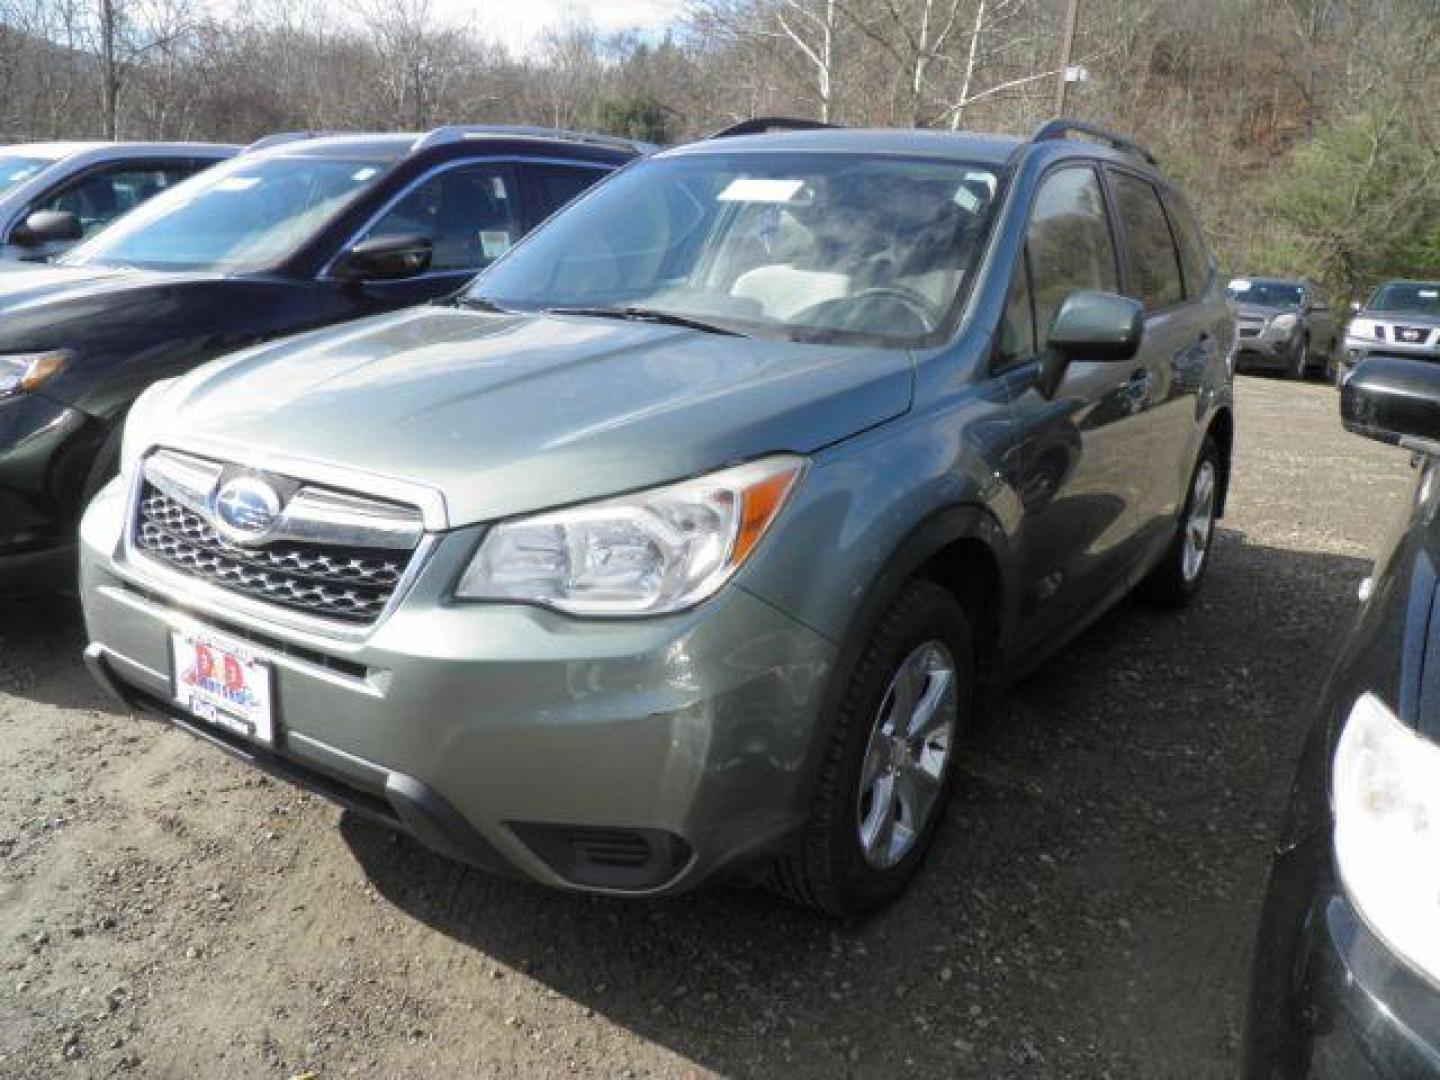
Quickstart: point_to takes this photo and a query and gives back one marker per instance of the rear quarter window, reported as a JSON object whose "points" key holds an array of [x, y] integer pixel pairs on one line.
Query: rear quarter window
{"points": [[1195, 259]]}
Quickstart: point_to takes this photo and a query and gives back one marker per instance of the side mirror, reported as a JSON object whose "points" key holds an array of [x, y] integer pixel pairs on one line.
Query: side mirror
{"points": [[1355, 307], [1394, 401], [48, 226], [1090, 326], [385, 258]]}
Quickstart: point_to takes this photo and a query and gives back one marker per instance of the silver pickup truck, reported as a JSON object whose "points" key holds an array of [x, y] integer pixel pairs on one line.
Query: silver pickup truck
{"points": [[1282, 326]]}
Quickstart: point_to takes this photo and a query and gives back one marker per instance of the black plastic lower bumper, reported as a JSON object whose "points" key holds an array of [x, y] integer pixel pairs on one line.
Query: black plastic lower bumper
{"points": [[1329, 998]]}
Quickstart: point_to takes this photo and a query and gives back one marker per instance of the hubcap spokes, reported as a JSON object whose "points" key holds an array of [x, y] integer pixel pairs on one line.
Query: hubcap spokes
{"points": [[905, 759], [1200, 521]]}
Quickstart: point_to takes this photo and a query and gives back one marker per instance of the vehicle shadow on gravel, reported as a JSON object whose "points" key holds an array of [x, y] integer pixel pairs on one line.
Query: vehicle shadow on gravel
{"points": [[41, 641], [1088, 909]]}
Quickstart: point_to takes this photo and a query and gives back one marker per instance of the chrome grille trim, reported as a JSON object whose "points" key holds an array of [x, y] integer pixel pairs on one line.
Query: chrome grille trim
{"points": [[312, 515], [338, 560], [190, 481]]}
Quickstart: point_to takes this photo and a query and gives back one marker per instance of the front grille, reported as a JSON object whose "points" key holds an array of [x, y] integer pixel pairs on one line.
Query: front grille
{"points": [[346, 583], [1249, 331], [1412, 335]]}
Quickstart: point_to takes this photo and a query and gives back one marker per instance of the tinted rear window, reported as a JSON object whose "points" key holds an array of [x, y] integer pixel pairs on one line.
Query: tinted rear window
{"points": [[1154, 263]]}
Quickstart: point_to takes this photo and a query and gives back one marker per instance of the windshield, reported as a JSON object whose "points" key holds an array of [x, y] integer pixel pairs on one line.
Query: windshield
{"points": [[245, 214], [1417, 296], [14, 171], [1271, 294], [835, 247]]}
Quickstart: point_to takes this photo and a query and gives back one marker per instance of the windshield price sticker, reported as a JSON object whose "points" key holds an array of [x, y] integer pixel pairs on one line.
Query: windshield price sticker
{"points": [[760, 189]]}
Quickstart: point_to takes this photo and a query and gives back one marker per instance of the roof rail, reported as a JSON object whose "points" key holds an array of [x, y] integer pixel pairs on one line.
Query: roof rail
{"points": [[453, 133], [1064, 129], [763, 125], [280, 138]]}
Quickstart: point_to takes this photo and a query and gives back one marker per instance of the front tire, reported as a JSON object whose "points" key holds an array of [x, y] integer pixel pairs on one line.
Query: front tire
{"points": [[889, 766], [1181, 571]]}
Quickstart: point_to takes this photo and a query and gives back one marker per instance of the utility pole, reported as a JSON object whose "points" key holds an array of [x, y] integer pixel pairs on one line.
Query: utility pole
{"points": [[1067, 49]]}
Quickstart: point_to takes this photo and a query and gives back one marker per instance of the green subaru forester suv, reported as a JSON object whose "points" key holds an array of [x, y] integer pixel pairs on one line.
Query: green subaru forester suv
{"points": [[695, 533]]}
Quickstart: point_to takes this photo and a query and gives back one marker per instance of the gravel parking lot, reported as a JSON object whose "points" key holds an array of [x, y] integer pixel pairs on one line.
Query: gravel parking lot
{"points": [[1087, 912]]}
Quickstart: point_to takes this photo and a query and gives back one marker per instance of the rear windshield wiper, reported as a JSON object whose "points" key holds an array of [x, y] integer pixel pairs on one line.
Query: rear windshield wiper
{"points": [[644, 314]]}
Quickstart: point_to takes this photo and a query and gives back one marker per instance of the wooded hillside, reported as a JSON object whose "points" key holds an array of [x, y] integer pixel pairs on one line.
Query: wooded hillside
{"points": [[1307, 131]]}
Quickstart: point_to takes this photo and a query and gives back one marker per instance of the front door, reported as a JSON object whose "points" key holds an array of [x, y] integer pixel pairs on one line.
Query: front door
{"points": [[469, 211], [1073, 459]]}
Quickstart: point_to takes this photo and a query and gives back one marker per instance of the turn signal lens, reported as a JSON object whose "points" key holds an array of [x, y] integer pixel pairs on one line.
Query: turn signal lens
{"points": [[24, 372]]}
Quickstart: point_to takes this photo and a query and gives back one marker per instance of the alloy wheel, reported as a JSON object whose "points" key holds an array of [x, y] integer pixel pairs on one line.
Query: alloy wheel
{"points": [[1199, 522], [905, 760]]}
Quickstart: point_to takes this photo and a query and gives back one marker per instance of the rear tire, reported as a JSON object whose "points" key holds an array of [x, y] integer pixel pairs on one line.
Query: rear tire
{"points": [[1302, 361], [1181, 571], [889, 765]]}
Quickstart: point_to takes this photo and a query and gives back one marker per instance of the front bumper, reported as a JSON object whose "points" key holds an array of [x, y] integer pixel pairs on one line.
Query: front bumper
{"points": [[1330, 999], [1269, 350], [499, 734]]}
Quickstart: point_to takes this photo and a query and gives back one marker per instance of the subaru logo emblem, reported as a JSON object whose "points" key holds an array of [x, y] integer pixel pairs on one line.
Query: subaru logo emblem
{"points": [[245, 509]]}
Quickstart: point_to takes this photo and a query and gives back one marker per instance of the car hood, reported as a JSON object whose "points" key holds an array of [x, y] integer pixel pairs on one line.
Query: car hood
{"points": [[507, 413], [23, 283]]}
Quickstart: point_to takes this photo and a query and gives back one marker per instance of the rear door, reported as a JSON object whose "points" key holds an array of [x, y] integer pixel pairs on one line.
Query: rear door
{"points": [[1074, 460], [1170, 368], [550, 185]]}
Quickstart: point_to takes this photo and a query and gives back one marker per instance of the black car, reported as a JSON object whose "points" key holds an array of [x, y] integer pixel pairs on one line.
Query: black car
{"points": [[298, 232], [1347, 970]]}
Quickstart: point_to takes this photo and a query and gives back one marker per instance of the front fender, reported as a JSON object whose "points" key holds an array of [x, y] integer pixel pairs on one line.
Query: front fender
{"points": [[872, 510]]}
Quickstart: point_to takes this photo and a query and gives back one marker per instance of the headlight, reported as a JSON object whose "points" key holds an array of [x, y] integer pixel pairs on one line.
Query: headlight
{"points": [[1387, 829], [27, 371], [1284, 322], [1363, 328], [650, 553]]}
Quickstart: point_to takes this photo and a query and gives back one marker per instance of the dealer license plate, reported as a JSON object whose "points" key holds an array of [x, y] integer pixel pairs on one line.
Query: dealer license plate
{"points": [[223, 683]]}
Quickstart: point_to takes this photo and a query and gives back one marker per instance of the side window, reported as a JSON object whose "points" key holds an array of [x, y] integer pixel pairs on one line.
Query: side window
{"points": [[1017, 326], [1068, 243], [101, 197], [468, 213], [1154, 263], [556, 185], [1194, 255]]}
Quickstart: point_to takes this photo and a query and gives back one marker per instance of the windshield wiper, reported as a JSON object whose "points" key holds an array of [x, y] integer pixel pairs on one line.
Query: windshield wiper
{"points": [[479, 303], [644, 314]]}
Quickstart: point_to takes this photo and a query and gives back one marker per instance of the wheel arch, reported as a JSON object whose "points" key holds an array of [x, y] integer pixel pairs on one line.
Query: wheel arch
{"points": [[963, 549], [1222, 432]]}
